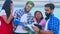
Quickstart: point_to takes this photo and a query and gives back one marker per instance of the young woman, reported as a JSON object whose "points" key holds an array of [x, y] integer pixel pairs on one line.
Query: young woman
{"points": [[6, 18], [38, 18], [40, 21]]}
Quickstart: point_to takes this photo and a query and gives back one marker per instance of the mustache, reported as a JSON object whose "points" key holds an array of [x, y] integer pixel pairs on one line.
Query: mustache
{"points": [[47, 14]]}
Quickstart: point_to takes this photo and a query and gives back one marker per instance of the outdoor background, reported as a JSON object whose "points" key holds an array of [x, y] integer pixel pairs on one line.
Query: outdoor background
{"points": [[39, 5]]}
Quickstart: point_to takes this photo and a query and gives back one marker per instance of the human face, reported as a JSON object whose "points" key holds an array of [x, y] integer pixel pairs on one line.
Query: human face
{"points": [[48, 10], [28, 8], [38, 15], [11, 7]]}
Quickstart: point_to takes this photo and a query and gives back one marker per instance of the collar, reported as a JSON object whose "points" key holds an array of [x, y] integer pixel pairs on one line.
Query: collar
{"points": [[52, 15]]}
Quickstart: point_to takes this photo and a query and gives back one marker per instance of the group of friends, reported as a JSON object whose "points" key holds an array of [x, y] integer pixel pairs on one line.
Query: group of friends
{"points": [[23, 22]]}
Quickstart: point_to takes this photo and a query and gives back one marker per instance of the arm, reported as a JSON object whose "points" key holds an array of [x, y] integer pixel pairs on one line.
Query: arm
{"points": [[30, 19], [7, 20], [54, 26], [46, 32], [41, 31], [17, 14]]}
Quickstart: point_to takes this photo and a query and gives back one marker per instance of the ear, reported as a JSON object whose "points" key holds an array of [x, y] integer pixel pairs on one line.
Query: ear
{"points": [[52, 11]]}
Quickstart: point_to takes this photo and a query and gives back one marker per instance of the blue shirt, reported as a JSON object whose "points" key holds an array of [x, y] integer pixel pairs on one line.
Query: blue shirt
{"points": [[53, 24]]}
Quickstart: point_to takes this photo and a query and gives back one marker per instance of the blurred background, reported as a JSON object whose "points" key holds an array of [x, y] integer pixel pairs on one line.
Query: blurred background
{"points": [[39, 5]]}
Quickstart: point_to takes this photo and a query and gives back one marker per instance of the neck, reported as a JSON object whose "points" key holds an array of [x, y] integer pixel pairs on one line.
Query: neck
{"points": [[47, 17], [38, 21], [26, 11]]}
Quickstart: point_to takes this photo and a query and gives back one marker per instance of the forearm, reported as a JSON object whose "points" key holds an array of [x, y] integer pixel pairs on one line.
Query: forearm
{"points": [[9, 19], [45, 32]]}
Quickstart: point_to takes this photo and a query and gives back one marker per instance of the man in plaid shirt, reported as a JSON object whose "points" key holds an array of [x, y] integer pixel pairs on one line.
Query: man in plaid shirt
{"points": [[19, 13], [24, 15]]}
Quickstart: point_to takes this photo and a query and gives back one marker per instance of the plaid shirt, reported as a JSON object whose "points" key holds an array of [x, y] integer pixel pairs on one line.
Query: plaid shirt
{"points": [[53, 24], [19, 13]]}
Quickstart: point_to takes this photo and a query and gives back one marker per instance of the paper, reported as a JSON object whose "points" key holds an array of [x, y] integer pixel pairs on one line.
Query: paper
{"points": [[19, 29], [30, 27]]}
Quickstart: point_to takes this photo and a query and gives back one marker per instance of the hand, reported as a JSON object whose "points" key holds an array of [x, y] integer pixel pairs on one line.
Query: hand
{"points": [[35, 29], [11, 15], [25, 23], [11, 11], [11, 8], [24, 28]]}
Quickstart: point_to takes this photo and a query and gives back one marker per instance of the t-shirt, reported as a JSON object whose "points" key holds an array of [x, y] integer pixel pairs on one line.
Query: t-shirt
{"points": [[46, 26], [19, 28], [2, 13], [24, 18]]}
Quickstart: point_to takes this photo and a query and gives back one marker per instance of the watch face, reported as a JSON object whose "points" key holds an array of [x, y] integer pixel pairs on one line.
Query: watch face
{"points": [[0, 23]]}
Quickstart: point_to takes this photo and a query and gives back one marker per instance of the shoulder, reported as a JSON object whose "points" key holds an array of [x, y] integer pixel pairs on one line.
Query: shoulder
{"points": [[55, 18], [18, 11], [2, 12], [43, 20], [29, 14]]}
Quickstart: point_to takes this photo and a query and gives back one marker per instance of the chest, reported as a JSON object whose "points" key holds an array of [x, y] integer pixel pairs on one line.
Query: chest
{"points": [[24, 18]]}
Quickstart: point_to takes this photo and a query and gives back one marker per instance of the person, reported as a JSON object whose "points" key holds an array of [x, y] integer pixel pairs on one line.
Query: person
{"points": [[23, 15], [52, 25], [6, 17], [39, 19]]}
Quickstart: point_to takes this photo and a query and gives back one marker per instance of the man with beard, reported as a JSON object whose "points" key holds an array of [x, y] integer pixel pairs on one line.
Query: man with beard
{"points": [[52, 24], [24, 16]]}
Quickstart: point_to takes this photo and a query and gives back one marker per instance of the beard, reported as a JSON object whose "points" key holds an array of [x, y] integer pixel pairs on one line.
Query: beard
{"points": [[47, 16], [26, 11]]}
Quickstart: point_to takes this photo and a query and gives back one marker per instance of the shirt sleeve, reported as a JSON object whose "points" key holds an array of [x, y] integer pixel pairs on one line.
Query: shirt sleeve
{"points": [[30, 18], [2, 12], [17, 14], [53, 25]]}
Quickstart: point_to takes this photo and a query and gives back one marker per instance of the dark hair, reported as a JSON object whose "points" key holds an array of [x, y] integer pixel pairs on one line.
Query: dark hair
{"points": [[30, 2], [6, 7], [41, 15], [52, 6]]}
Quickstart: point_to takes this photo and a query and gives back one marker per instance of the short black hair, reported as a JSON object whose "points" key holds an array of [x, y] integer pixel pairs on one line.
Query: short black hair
{"points": [[51, 5]]}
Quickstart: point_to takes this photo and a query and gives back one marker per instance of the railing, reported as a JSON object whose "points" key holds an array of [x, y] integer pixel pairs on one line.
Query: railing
{"points": [[36, 2]]}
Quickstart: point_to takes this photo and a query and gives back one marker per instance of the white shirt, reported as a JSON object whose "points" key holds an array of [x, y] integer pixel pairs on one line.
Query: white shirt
{"points": [[2, 13], [46, 26], [24, 18], [19, 28]]}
